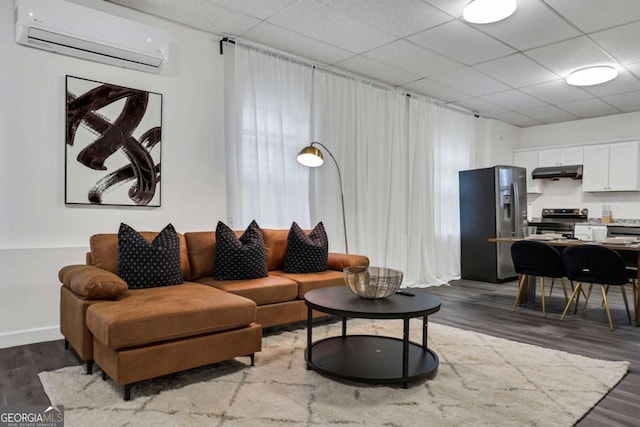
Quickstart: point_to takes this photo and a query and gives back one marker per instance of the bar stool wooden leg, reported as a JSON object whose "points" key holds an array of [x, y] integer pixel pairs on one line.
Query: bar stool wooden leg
{"points": [[606, 306], [553, 280], [574, 295], [564, 289], [519, 294], [587, 297], [626, 303], [544, 312]]}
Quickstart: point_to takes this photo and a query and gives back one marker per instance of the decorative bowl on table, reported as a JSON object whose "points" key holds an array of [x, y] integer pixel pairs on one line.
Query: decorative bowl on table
{"points": [[372, 282]]}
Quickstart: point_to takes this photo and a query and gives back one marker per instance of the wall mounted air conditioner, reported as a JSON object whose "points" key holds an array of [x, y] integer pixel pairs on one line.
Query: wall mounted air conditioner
{"points": [[79, 31]]}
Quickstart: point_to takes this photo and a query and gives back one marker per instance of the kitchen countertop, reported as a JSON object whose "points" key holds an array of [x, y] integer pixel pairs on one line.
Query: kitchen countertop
{"points": [[596, 221]]}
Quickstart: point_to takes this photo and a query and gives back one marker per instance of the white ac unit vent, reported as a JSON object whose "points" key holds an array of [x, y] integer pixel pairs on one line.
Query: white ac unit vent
{"points": [[79, 31]]}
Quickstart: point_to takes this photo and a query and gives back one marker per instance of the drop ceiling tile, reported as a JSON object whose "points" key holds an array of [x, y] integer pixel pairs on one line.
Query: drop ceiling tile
{"points": [[635, 69], [468, 80], [513, 100], [570, 55], [555, 92], [435, 90], [196, 13], [548, 114], [587, 108], [625, 102], [532, 25], [461, 42], [400, 18], [625, 82], [297, 44], [330, 26], [412, 58], [452, 7], [260, 9], [621, 42], [480, 107], [377, 70], [516, 71], [516, 119], [594, 15]]}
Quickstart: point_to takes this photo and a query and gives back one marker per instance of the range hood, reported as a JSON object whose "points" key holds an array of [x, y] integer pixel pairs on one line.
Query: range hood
{"points": [[557, 172]]}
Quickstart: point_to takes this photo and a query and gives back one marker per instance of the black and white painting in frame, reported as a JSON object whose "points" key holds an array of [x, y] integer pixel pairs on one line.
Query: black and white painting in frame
{"points": [[113, 144]]}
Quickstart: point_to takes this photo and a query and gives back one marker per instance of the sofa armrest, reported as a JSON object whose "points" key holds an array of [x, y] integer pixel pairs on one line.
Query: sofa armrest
{"points": [[92, 282], [340, 261]]}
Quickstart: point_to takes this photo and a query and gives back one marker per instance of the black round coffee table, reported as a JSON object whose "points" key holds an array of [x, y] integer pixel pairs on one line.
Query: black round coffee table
{"points": [[371, 358]]}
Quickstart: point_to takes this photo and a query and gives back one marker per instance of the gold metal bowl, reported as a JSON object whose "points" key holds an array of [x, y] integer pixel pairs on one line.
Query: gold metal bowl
{"points": [[372, 282]]}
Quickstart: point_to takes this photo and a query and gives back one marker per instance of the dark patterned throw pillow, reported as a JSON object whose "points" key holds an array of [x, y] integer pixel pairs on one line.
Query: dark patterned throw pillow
{"points": [[148, 265], [239, 258], [306, 253]]}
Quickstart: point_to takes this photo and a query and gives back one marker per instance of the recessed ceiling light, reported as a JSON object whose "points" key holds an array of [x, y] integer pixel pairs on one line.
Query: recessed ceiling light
{"points": [[592, 76], [488, 11]]}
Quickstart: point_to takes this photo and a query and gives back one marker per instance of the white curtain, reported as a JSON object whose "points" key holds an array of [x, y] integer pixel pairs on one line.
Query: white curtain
{"points": [[267, 123], [440, 144], [400, 159]]}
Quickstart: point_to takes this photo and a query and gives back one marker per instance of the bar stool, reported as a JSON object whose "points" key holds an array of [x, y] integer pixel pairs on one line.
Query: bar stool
{"points": [[595, 265], [531, 258]]}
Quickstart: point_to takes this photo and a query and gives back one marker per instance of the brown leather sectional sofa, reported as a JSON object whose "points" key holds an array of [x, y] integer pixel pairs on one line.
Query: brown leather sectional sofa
{"points": [[139, 334]]}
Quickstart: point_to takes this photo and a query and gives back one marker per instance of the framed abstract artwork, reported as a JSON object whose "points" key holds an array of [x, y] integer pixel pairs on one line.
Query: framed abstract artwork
{"points": [[112, 144]]}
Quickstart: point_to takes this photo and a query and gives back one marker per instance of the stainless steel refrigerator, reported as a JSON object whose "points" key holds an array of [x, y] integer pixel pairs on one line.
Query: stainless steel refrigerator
{"points": [[493, 203]]}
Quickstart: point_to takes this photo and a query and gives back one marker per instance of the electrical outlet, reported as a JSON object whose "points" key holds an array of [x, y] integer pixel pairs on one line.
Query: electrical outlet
{"points": [[230, 221]]}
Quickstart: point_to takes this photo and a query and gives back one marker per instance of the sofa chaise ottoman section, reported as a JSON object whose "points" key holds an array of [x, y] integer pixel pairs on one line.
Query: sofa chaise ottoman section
{"points": [[158, 331]]}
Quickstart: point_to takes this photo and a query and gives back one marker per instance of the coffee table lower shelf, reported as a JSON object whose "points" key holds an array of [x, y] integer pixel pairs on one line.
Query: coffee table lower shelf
{"points": [[370, 359]]}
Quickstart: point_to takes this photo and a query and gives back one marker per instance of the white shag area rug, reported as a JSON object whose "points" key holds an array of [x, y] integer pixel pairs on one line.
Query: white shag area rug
{"points": [[481, 381]]}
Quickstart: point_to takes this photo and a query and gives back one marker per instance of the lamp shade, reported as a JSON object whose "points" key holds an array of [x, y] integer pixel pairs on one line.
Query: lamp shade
{"points": [[310, 156]]}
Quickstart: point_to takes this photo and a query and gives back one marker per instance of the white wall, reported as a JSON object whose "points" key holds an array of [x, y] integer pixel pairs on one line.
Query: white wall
{"points": [[495, 142], [567, 193], [619, 127], [38, 233]]}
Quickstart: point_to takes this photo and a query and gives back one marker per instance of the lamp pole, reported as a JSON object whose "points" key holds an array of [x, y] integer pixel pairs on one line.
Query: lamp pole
{"points": [[344, 220]]}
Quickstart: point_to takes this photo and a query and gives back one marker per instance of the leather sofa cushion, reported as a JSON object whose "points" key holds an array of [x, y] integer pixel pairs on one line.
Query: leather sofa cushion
{"points": [[201, 246], [310, 281], [104, 251], [340, 261], [275, 244], [265, 290], [145, 316], [92, 282]]}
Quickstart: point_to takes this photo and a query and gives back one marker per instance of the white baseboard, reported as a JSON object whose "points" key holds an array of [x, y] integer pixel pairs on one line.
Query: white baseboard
{"points": [[30, 336]]}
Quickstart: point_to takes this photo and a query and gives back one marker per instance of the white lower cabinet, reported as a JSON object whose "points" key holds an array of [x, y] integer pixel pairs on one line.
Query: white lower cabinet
{"points": [[611, 167]]}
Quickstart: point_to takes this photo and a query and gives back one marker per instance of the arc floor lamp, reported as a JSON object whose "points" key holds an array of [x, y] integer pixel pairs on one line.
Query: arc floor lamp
{"points": [[311, 156]]}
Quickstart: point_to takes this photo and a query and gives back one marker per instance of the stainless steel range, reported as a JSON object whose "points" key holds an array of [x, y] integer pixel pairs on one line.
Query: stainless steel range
{"points": [[560, 220]]}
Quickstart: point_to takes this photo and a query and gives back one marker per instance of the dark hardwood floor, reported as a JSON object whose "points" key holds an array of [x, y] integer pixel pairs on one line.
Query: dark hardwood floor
{"points": [[482, 307]]}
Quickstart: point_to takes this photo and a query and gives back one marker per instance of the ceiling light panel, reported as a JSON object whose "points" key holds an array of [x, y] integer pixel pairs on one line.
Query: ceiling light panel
{"points": [[488, 11], [592, 76]]}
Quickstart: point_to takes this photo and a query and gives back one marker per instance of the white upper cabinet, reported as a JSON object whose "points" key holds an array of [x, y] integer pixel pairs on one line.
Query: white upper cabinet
{"points": [[612, 167], [560, 157], [529, 161]]}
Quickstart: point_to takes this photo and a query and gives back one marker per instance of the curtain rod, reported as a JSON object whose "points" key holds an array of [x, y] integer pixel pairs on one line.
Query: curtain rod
{"points": [[343, 74]]}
